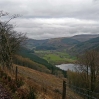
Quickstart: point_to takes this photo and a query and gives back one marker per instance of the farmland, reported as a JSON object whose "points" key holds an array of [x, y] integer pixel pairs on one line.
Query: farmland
{"points": [[56, 57]]}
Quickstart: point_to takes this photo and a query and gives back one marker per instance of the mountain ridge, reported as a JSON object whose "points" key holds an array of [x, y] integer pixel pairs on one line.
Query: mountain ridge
{"points": [[92, 44], [59, 43]]}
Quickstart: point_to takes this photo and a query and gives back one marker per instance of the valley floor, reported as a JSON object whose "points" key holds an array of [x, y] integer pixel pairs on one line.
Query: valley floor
{"points": [[56, 57]]}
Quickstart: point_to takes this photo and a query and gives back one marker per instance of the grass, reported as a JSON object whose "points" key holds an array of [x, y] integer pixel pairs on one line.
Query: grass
{"points": [[42, 85], [56, 57], [46, 86]]}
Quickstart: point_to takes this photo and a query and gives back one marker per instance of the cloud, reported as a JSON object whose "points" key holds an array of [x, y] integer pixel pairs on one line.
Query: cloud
{"points": [[41, 28], [43, 19], [52, 8]]}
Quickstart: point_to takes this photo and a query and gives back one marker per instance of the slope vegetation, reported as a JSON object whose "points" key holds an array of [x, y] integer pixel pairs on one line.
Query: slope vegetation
{"points": [[51, 44], [87, 45], [43, 65], [84, 37]]}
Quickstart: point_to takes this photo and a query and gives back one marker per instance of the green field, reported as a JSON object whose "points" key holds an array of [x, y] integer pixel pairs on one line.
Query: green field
{"points": [[56, 57]]}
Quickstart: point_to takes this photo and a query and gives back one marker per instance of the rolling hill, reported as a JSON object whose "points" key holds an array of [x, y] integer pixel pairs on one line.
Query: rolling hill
{"points": [[51, 44], [59, 43], [87, 45], [85, 37], [31, 43]]}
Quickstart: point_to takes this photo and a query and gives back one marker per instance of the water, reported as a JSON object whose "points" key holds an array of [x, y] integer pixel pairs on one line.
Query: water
{"points": [[67, 66]]}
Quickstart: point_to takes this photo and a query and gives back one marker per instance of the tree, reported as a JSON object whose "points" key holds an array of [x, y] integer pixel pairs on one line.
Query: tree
{"points": [[10, 41], [89, 66]]}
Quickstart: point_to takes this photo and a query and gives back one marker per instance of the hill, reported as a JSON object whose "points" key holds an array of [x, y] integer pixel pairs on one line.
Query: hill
{"points": [[84, 37], [31, 43], [43, 65], [87, 45], [53, 50], [51, 44], [58, 43], [61, 50], [47, 86]]}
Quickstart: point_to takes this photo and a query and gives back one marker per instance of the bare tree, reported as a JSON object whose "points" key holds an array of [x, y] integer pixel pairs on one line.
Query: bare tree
{"points": [[89, 65], [10, 41]]}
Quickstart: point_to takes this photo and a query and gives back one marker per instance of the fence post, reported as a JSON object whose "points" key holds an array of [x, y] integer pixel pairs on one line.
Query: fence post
{"points": [[16, 72], [64, 90]]}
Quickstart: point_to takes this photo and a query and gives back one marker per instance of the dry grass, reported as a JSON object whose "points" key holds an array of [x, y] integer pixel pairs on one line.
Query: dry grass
{"points": [[49, 86], [46, 86]]}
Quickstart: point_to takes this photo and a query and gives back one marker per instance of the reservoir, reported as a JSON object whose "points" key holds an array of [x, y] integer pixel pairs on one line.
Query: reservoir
{"points": [[67, 66]]}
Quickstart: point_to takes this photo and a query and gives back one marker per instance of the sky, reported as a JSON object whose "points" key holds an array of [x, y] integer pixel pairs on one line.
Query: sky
{"points": [[44, 19]]}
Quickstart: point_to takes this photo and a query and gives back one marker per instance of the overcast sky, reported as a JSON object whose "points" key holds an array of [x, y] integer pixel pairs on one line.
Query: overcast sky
{"points": [[42, 19]]}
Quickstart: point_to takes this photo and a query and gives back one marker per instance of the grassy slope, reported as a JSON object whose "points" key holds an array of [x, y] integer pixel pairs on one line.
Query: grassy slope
{"points": [[40, 77], [41, 81], [19, 60], [56, 57], [53, 69], [24, 52]]}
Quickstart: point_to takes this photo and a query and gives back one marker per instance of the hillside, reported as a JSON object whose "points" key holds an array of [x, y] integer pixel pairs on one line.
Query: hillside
{"points": [[84, 37], [31, 43], [87, 45], [51, 44], [60, 50], [47, 86], [58, 43], [43, 65]]}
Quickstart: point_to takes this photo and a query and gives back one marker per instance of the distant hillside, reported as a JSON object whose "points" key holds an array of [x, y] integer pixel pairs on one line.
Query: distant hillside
{"points": [[26, 53], [72, 45], [51, 44], [58, 43], [31, 43], [87, 45], [84, 37]]}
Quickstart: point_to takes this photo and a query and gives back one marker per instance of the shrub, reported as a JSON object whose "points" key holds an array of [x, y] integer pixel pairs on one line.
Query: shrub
{"points": [[31, 94], [12, 85], [20, 82], [22, 93], [1, 74], [9, 78], [4, 75]]}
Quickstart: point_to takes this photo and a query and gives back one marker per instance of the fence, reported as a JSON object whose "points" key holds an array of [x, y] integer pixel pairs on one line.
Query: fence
{"points": [[81, 92]]}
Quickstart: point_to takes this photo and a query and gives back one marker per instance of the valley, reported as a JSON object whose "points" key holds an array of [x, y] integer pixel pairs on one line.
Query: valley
{"points": [[63, 50], [58, 51], [56, 57], [36, 67], [49, 49]]}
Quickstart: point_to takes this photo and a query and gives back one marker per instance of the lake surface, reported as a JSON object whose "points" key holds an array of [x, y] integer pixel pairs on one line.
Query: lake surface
{"points": [[67, 66]]}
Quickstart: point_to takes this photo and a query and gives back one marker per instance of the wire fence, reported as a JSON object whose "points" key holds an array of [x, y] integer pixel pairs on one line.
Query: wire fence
{"points": [[86, 94], [81, 92]]}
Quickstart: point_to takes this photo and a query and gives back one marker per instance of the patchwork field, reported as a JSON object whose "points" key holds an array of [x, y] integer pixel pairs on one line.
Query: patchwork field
{"points": [[56, 57]]}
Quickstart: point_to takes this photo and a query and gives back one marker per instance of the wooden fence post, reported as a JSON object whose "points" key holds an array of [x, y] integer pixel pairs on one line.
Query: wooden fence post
{"points": [[64, 90], [16, 72]]}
